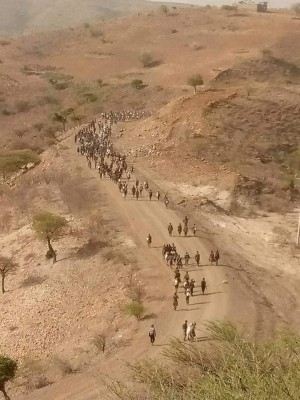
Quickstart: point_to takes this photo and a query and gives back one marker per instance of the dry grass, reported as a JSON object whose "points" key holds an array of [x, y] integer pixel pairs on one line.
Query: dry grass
{"points": [[224, 366]]}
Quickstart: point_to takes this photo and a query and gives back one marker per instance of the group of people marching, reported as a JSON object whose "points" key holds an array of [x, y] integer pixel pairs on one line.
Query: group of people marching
{"points": [[184, 228], [94, 143]]}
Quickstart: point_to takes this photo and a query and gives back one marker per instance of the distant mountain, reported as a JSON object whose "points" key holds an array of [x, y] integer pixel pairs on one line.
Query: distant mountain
{"points": [[24, 16]]}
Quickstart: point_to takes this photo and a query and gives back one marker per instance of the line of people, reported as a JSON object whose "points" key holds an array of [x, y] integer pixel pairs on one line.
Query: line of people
{"points": [[94, 142]]}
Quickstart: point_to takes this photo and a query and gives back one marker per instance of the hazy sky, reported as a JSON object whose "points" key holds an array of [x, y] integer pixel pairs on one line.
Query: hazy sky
{"points": [[272, 3]]}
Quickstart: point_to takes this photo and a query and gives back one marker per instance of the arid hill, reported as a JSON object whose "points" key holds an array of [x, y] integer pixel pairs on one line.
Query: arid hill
{"points": [[94, 68], [24, 16]]}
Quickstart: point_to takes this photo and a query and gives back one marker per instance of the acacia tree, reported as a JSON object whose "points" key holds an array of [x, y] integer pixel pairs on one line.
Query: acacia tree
{"points": [[8, 369], [164, 9], [296, 8], [48, 227], [195, 80], [62, 117], [7, 267]]}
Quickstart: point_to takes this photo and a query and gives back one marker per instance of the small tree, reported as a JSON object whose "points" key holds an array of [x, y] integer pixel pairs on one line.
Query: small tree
{"points": [[134, 309], [137, 83], [229, 8], [296, 8], [7, 267], [146, 59], [195, 80], [62, 117], [48, 227], [8, 369], [164, 9]]}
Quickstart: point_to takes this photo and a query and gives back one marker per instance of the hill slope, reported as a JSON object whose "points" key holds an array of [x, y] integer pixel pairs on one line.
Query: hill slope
{"points": [[23, 16]]}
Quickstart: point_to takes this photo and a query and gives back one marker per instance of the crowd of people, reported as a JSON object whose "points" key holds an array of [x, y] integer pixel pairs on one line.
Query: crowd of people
{"points": [[94, 143]]}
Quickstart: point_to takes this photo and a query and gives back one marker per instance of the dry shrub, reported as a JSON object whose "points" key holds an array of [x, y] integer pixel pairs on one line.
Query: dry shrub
{"points": [[95, 226], [90, 248], [64, 365], [134, 309], [134, 289], [38, 382], [99, 340], [117, 256]]}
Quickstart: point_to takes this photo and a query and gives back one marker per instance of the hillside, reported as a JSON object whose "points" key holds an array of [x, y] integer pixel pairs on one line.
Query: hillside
{"points": [[88, 70], [24, 16]]}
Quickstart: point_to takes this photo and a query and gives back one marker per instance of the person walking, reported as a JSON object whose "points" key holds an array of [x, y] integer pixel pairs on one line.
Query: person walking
{"points": [[187, 258], [176, 284], [217, 257], [149, 240], [152, 334], [179, 229], [192, 286], [197, 258], [187, 296], [170, 229], [133, 190], [175, 301], [150, 194], [194, 229], [211, 258], [203, 285], [185, 230], [184, 329]]}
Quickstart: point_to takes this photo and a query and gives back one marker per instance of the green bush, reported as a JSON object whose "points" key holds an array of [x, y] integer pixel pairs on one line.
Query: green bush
{"points": [[195, 80], [49, 227], [228, 7], [224, 366], [61, 86], [8, 112], [12, 161], [146, 59], [8, 369], [134, 309], [90, 97], [164, 9], [137, 83]]}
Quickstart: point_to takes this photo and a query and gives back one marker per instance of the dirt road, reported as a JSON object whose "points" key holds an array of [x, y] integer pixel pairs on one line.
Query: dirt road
{"points": [[141, 218]]}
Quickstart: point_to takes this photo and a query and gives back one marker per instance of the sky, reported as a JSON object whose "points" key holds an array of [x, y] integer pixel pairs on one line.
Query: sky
{"points": [[272, 3]]}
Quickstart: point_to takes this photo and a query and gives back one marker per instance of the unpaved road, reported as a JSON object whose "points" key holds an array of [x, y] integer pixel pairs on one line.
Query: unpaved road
{"points": [[221, 301]]}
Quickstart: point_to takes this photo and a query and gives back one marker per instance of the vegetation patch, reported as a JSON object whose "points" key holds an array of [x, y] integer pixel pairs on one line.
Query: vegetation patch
{"points": [[12, 161], [223, 366]]}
